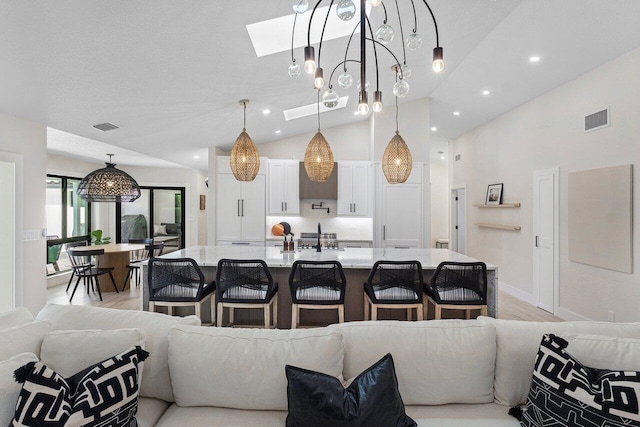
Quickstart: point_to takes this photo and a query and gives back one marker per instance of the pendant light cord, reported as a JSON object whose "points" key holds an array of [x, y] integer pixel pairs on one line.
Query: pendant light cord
{"points": [[318, 110], [397, 127], [244, 122]]}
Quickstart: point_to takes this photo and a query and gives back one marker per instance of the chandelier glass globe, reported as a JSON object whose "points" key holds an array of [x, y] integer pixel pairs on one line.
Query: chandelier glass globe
{"points": [[300, 6], [346, 10], [330, 98], [294, 70], [401, 89], [345, 81], [414, 41], [406, 71], [367, 85], [384, 34]]}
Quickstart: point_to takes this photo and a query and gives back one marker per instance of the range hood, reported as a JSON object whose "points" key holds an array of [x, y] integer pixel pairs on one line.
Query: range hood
{"points": [[319, 190]]}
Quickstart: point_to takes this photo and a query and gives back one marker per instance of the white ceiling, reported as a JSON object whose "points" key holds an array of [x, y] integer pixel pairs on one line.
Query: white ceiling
{"points": [[170, 73]]}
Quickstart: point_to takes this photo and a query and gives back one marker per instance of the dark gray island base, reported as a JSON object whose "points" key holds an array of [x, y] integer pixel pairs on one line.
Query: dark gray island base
{"points": [[356, 262]]}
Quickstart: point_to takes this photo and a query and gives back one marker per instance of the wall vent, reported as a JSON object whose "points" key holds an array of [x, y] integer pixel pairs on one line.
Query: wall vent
{"points": [[105, 127], [457, 157], [596, 120]]}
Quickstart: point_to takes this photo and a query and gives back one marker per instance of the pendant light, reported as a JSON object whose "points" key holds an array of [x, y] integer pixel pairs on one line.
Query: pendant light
{"points": [[396, 160], [245, 159], [318, 158], [108, 185]]}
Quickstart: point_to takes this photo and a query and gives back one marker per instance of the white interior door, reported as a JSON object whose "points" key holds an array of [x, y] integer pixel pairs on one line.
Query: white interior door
{"points": [[229, 199], [8, 241], [252, 209], [458, 240], [545, 216]]}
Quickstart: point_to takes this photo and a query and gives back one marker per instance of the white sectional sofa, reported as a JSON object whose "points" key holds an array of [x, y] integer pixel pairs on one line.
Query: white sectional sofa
{"points": [[450, 372]]}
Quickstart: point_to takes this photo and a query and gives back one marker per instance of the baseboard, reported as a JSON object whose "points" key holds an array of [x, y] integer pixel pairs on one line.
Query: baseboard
{"points": [[515, 292], [566, 314]]}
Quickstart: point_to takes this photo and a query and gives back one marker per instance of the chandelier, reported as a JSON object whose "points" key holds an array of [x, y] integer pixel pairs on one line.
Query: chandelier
{"points": [[108, 185], [244, 160]]}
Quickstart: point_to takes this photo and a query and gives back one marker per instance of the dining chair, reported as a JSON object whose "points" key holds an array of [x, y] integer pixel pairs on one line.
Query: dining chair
{"points": [[151, 250], [86, 266]]}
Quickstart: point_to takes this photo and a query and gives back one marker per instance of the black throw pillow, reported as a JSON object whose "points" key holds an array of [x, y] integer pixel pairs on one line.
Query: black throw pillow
{"points": [[566, 393], [105, 394], [372, 399]]}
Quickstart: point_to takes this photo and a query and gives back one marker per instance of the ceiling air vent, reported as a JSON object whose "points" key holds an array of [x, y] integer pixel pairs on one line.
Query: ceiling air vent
{"points": [[596, 120], [105, 127]]}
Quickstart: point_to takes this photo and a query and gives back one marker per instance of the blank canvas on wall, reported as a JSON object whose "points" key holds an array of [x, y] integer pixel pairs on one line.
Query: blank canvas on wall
{"points": [[601, 216]]}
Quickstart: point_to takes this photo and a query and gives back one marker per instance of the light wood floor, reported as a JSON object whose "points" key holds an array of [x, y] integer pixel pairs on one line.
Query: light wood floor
{"points": [[509, 306]]}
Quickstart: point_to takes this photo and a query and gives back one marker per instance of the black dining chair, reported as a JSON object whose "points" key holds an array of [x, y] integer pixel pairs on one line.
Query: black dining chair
{"points": [[459, 286], [85, 266], [179, 282], [394, 285], [316, 285], [69, 246], [151, 250], [246, 284]]}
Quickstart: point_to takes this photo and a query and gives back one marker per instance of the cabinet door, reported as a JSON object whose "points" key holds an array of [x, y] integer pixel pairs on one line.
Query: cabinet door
{"points": [[402, 215], [345, 187], [228, 219], [292, 187], [252, 209], [361, 188], [276, 187]]}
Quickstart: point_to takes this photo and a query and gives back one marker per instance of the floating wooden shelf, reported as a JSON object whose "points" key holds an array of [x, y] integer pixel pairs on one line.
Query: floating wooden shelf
{"points": [[499, 226], [503, 205]]}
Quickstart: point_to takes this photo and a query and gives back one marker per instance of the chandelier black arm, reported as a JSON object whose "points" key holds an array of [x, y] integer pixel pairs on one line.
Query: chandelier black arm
{"points": [[385, 12], [404, 52], [311, 20], [375, 54], [394, 57], [336, 67], [435, 24], [415, 17], [349, 44], [293, 32], [322, 34]]}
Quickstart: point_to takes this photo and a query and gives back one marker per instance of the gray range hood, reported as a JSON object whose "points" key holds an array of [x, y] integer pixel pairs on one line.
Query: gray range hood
{"points": [[319, 190]]}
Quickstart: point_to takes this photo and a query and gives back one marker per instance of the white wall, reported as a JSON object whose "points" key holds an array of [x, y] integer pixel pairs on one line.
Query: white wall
{"points": [[543, 133], [28, 140], [439, 202]]}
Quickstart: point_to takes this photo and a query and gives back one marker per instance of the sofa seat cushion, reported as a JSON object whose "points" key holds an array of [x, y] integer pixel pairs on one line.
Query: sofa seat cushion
{"points": [[455, 415], [208, 416], [437, 361], [150, 411]]}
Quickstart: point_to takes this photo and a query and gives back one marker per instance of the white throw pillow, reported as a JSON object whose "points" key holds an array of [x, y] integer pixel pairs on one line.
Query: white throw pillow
{"points": [[159, 230], [26, 338], [68, 352], [518, 343], [602, 352], [17, 316], [437, 362], [9, 388], [156, 381], [244, 368]]}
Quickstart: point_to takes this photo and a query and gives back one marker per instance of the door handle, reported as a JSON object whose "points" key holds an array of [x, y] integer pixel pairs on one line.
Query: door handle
{"points": [[537, 242], [354, 208], [242, 207], [285, 206], [238, 207], [282, 206]]}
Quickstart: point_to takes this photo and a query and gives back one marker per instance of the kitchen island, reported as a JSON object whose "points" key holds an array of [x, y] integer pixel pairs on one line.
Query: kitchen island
{"points": [[356, 262]]}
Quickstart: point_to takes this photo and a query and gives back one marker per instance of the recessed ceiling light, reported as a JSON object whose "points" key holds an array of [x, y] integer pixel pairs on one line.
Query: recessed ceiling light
{"points": [[196, 157], [278, 131], [456, 113], [266, 111], [356, 113], [442, 157], [433, 129], [534, 59], [486, 92]]}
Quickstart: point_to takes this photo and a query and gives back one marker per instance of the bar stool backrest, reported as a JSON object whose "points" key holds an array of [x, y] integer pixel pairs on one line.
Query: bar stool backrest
{"points": [[252, 275], [397, 274], [460, 282], [175, 279], [327, 276]]}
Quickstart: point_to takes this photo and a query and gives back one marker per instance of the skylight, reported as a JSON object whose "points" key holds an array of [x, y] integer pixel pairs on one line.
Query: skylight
{"points": [[274, 35], [311, 109]]}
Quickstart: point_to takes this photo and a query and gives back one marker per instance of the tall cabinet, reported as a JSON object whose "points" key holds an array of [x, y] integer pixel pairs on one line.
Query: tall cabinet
{"points": [[284, 187], [240, 207], [354, 188], [402, 212]]}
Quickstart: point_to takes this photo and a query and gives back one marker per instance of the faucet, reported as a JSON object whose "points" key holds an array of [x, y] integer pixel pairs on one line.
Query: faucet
{"points": [[319, 248]]}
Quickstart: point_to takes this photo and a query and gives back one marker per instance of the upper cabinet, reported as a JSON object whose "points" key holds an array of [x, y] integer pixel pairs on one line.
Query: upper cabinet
{"points": [[283, 197], [354, 188]]}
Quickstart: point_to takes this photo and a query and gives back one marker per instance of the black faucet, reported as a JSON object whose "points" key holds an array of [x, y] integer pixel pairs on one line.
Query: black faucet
{"points": [[318, 247]]}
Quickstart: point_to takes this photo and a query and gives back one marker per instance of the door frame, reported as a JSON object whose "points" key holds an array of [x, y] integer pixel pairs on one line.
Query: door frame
{"points": [[556, 236], [16, 239], [452, 217]]}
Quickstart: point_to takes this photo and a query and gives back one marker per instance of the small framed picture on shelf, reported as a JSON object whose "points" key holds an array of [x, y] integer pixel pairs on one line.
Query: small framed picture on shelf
{"points": [[494, 194]]}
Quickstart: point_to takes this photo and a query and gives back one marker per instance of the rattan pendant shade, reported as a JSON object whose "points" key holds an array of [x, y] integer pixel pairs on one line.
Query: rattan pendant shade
{"points": [[245, 159], [396, 160], [108, 185], [318, 158]]}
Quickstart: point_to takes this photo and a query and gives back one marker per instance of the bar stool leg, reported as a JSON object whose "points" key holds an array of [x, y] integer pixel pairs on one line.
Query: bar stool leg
{"points": [[341, 313], [419, 312], [212, 308], [438, 312], [231, 316], [220, 313], [267, 316], [275, 311], [294, 316], [409, 314], [374, 311], [366, 307]]}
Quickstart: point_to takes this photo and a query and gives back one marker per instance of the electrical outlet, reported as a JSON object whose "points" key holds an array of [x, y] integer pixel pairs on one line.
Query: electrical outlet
{"points": [[611, 316]]}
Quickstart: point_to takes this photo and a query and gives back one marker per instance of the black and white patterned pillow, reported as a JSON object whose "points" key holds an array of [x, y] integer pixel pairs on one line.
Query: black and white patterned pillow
{"points": [[105, 394], [566, 393]]}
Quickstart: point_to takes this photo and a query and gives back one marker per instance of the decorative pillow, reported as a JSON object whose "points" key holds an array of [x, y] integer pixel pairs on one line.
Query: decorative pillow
{"points": [[159, 230], [9, 390], [105, 394], [372, 399], [564, 392], [17, 316]]}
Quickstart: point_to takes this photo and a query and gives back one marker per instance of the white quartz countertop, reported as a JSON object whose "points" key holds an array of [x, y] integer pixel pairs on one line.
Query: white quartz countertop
{"points": [[349, 258]]}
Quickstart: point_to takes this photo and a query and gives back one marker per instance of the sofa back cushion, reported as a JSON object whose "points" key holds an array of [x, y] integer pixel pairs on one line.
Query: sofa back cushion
{"points": [[245, 368], [437, 362], [17, 316], [9, 388], [25, 338], [155, 377], [518, 343]]}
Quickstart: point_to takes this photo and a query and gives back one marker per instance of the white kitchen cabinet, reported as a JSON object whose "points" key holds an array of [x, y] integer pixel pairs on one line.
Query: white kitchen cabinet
{"points": [[402, 210], [284, 187], [355, 244], [354, 188], [240, 208]]}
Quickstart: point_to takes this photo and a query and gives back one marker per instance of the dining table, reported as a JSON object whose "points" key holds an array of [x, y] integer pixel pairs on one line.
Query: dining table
{"points": [[116, 255]]}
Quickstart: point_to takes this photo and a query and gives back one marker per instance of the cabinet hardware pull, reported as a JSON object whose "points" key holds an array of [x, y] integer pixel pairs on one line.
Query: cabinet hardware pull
{"points": [[238, 207], [354, 208], [537, 241], [282, 206], [240, 243], [401, 247], [242, 207], [384, 232], [285, 206]]}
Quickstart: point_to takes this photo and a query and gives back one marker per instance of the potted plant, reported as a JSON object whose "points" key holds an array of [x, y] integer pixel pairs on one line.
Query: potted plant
{"points": [[98, 239]]}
